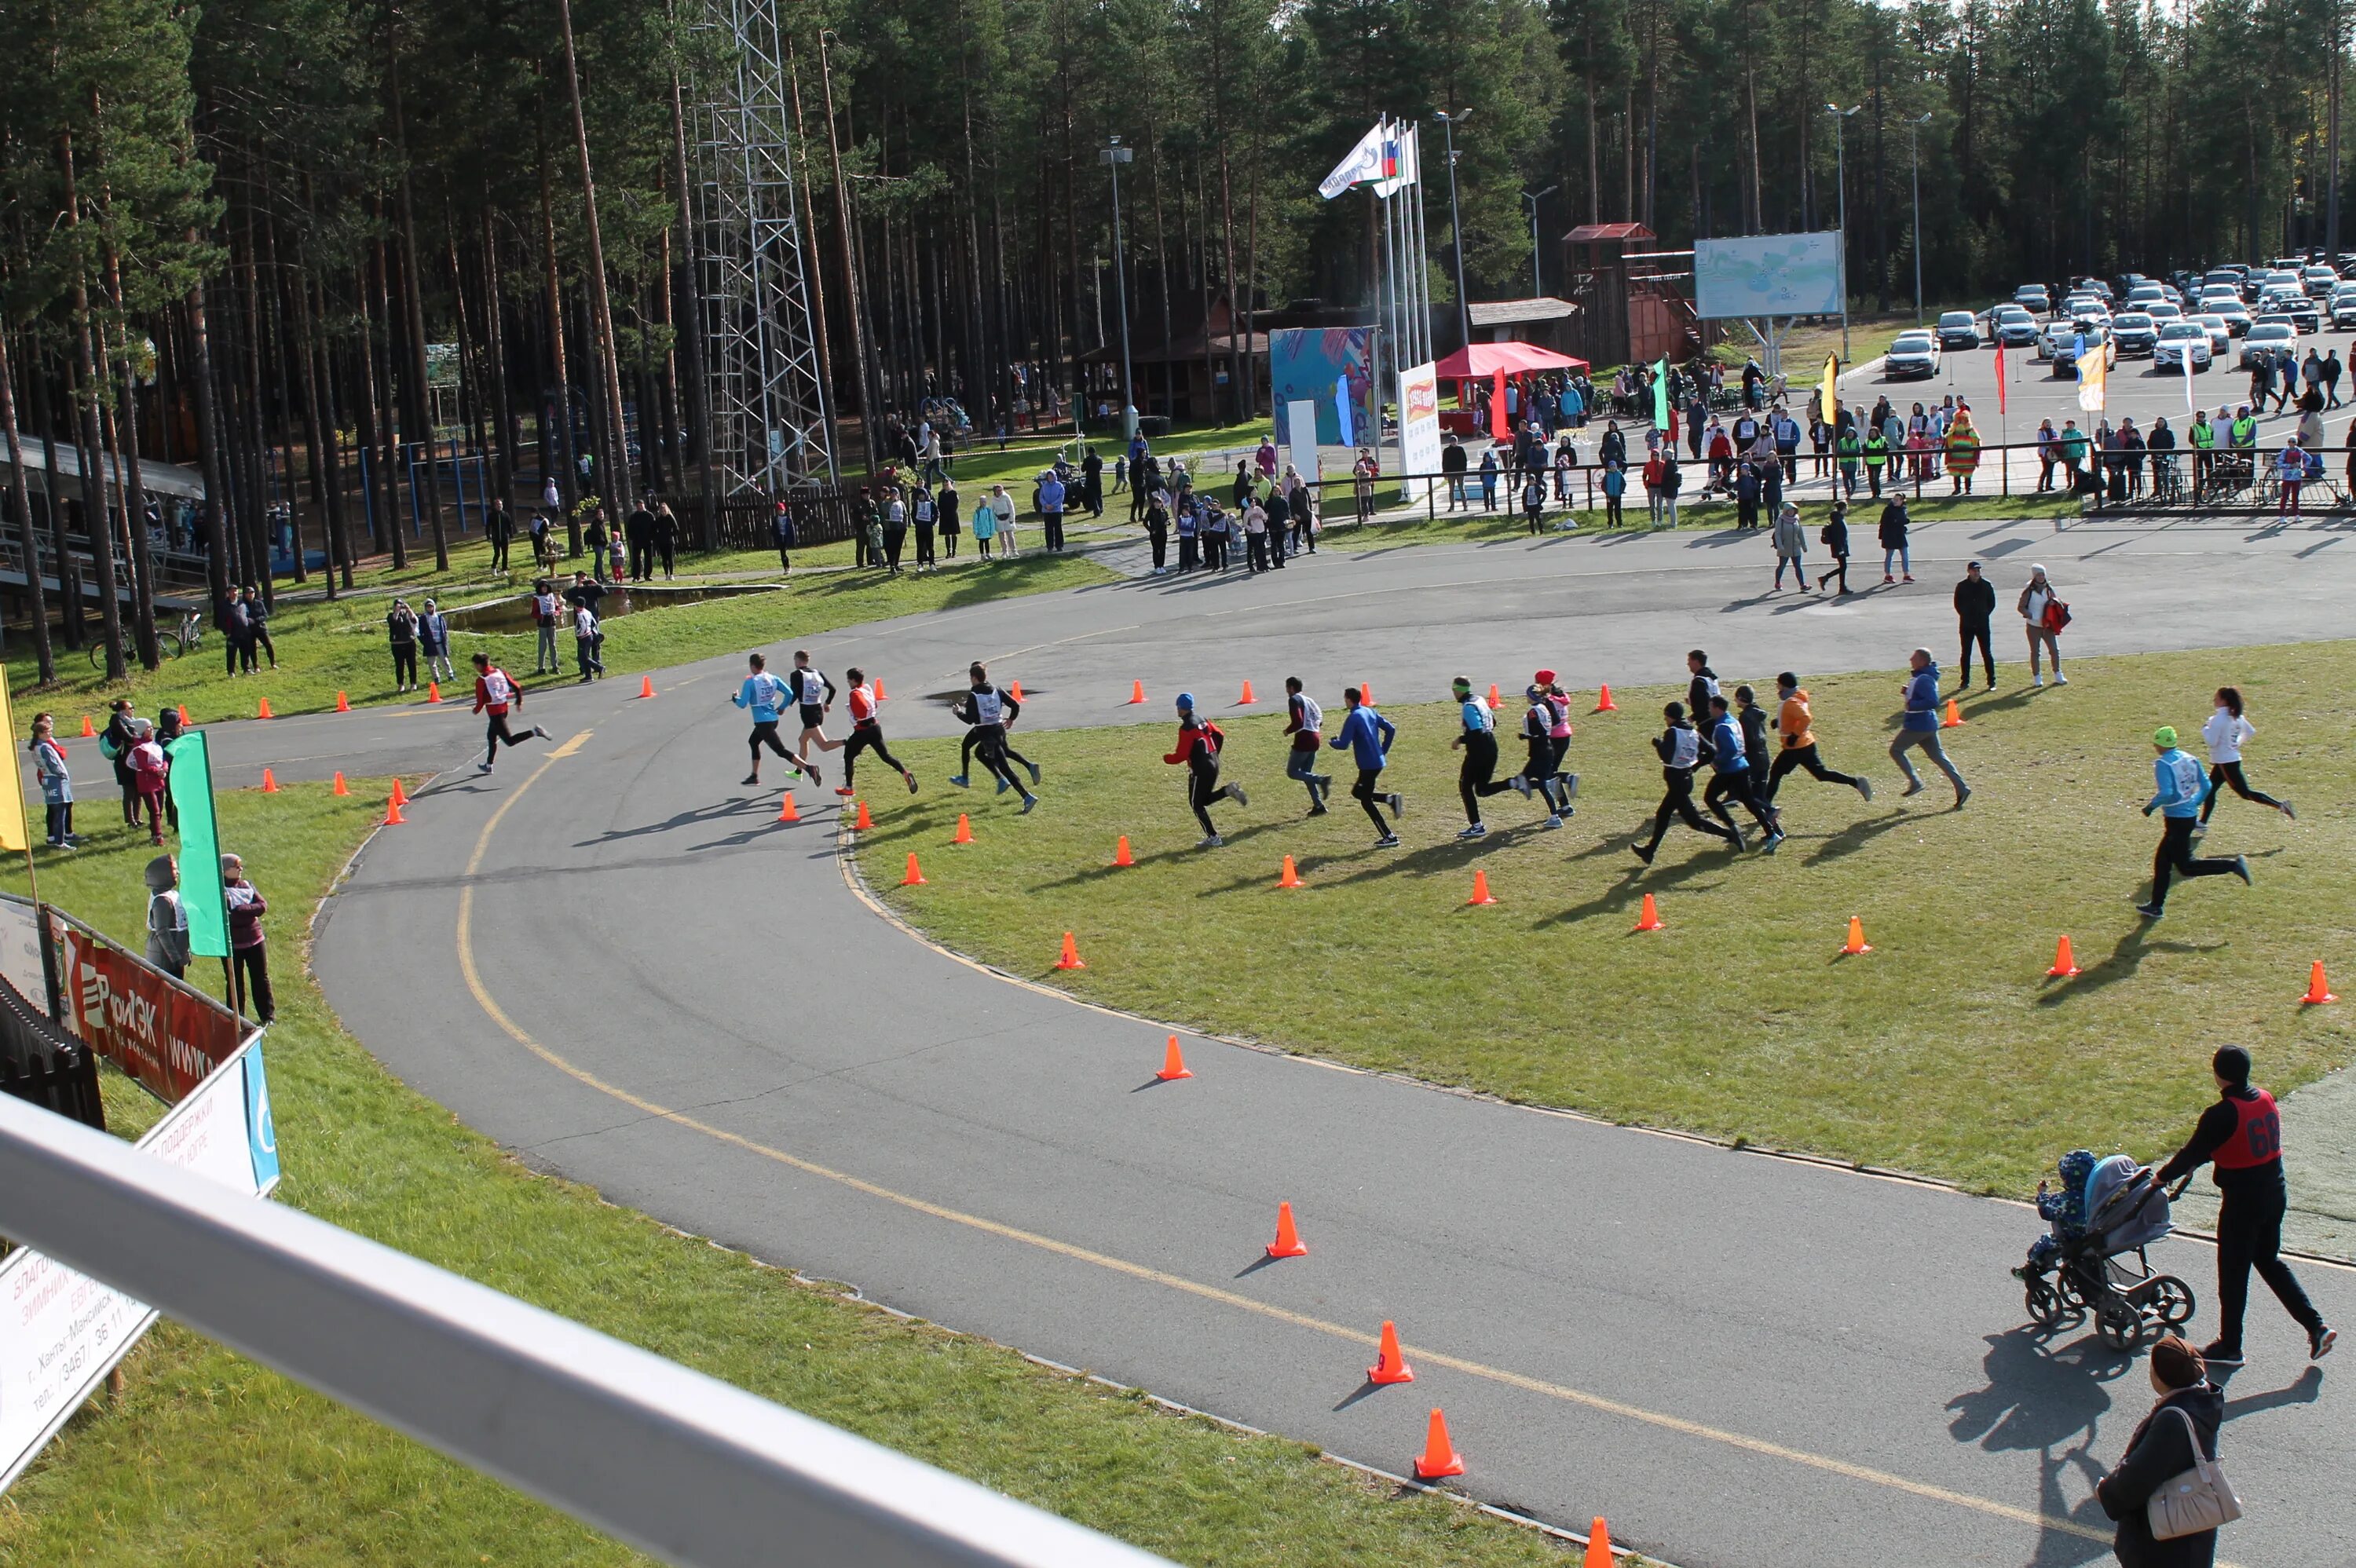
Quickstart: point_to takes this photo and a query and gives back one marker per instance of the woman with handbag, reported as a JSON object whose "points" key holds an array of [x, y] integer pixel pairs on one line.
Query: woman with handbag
{"points": [[2167, 1494], [2043, 612]]}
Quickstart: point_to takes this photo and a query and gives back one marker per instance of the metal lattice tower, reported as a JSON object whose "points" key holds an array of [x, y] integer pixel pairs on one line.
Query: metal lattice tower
{"points": [[770, 428]]}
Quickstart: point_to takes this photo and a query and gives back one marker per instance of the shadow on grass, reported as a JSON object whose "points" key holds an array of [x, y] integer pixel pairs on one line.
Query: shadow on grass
{"points": [[1629, 892], [2124, 961], [1856, 837]]}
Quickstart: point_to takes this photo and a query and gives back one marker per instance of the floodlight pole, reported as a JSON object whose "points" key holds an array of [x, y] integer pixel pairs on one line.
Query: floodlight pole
{"points": [[1112, 155], [1538, 278], [1840, 175]]}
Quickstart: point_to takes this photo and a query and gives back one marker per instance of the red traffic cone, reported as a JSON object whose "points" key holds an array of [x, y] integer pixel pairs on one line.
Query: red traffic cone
{"points": [[916, 877], [1288, 1240], [342, 787], [400, 795], [2064, 965], [788, 811], [1481, 894], [1440, 1458], [392, 817], [433, 691], [1603, 703], [1955, 719], [1599, 1545], [1856, 943], [1136, 693], [1173, 1063], [864, 821], [1071, 958], [1290, 879], [1365, 693], [645, 686], [184, 716], [1650, 919], [264, 712], [880, 693], [1121, 857], [1493, 703], [343, 704], [2317, 994], [1389, 1367], [269, 782], [1014, 690], [965, 831], [1247, 699]]}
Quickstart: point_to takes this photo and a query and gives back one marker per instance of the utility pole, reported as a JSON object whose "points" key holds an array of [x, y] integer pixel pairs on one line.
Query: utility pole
{"points": [[1448, 123], [1538, 277], [1112, 155], [1840, 176], [1914, 161]]}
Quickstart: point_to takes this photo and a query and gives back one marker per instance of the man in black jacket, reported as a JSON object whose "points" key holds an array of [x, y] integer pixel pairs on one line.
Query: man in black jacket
{"points": [[1974, 603], [1452, 464], [2241, 1133]]}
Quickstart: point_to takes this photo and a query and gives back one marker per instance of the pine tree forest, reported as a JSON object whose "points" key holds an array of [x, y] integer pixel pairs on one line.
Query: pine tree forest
{"points": [[307, 249]]}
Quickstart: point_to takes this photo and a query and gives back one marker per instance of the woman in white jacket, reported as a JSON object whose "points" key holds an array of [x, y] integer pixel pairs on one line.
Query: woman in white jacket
{"points": [[2225, 732]]}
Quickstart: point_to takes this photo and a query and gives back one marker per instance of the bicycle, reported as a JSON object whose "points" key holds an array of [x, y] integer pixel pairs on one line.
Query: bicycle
{"points": [[170, 643]]}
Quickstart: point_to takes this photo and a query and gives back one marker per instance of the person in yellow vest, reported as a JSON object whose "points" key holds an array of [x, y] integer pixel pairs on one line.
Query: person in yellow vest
{"points": [[1963, 454], [2204, 451]]}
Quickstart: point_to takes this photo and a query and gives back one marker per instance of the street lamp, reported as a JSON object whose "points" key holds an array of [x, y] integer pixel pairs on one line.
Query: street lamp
{"points": [[1448, 123], [1840, 175], [1915, 160], [1112, 155], [1538, 279]]}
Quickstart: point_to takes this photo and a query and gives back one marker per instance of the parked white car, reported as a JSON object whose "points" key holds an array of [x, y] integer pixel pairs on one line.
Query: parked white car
{"points": [[2179, 341]]}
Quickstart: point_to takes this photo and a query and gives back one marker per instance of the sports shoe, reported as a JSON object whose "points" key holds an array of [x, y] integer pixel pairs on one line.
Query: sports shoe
{"points": [[750, 779], [1003, 787], [1913, 788], [811, 769], [2242, 869], [1555, 821], [2319, 1342], [1741, 840], [1388, 841], [482, 767], [1521, 782], [1237, 791], [2286, 811], [1316, 808], [1963, 793], [1478, 830], [539, 733], [1034, 771], [845, 791], [2039, 682], [2150, 911], [1212, 842], [2060, 679], [2220, 1354], [1908, 578], [1643, 853], [1029, 801], [912, 781], [960, 781], [1398, 805], [1887, 578], [1773, 839], [1865, 788]]}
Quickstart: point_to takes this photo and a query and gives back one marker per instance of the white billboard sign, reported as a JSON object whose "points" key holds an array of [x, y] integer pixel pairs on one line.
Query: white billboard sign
{"points": [[1419, 402], [1767, 276]]}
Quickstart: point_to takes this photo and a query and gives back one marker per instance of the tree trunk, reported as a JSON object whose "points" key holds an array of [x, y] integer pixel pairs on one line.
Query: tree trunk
{"points": [[601, 310], [570, 468], [87, 388], [20, 502], [853, 306], [420, 398], [53, 508]]}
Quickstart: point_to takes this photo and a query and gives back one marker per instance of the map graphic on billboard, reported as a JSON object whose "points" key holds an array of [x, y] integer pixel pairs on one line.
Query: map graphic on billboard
{"points": [[1768, 275]]}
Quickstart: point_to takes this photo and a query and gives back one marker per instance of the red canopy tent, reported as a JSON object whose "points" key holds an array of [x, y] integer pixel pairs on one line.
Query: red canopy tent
{"points": [[1493, 362]]}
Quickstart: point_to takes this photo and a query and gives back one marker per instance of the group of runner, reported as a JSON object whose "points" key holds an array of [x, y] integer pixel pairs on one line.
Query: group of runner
{"points": [[809, 695]]}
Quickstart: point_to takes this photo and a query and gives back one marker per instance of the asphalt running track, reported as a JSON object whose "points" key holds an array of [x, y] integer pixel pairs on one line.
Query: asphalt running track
{"points": [[612, 960]]}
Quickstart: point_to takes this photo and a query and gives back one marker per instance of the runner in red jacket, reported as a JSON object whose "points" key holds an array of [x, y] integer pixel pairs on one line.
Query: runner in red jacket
{"points": [[496, 692], [1199, 744]]}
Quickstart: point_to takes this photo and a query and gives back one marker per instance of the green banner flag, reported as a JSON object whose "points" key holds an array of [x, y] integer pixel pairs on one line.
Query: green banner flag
{"points": [[1660, 393], [200, 877]]}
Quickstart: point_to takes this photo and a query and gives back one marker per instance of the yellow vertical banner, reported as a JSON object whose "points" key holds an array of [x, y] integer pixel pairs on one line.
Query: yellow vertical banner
{"points": [[13, 833], [1828, 394]]}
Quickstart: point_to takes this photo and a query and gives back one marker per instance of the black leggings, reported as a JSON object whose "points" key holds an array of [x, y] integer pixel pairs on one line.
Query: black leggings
{"points": [[2224, 776], [1792, 759], [1839, 573], [1736, 785], [1203, 787], [2249, 1235], [866, 737], [497, 731], [1977, 631], [991, 741], [405, 664], [765, 733], [1366, 793], [1539, 767], [1678, 802], [1478, 776], [2175, 856], [60, 817]]}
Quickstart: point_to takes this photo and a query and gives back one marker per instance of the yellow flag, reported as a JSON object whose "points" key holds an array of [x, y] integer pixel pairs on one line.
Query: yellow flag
{"points": [[13, 832], [1828, 394], [2093, 377]]}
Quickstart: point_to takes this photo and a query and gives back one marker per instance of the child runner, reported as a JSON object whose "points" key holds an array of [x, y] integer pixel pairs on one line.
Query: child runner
{"points": [[149, 769], [1367, 735], [585, 639], [1796, 725], [813, 694], [2225, 732], [1729, 776], [55, 779], [1680, 751], [1478, 740], [866, 732], [1199, 744], [496, 692], [250, 957], [1566, 784], [1538, 764], [767, 697], [2182, 789], [1305, 722], [986, 711]]}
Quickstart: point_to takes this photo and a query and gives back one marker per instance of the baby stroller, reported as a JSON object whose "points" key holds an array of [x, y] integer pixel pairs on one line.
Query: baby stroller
{"points": [[2107, 1211]]}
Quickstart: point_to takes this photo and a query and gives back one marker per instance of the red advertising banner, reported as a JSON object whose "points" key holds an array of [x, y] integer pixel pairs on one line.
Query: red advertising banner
{"points": [[164, 1035]]}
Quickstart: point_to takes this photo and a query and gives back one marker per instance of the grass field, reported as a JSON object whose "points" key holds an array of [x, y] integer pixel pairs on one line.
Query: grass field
{"points": [[325, 648], [1944, 1051], [210, 1461]]}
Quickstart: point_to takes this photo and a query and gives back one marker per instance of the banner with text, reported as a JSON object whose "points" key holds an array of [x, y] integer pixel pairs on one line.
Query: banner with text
{"points": [[155, 1030], [1419, 402]]}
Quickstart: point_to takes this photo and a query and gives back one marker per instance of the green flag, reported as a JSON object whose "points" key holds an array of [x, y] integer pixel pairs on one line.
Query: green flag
{"points": [[1660, 393], [200, 878]]}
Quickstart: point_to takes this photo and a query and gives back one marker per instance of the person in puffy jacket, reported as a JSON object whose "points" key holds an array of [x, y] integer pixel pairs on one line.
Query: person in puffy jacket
{"points": [[1921, 728], [1791, 544]]}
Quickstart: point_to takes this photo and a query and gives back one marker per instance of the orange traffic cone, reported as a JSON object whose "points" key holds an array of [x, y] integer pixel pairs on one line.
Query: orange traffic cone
{"points": [[1120, 856], [916, 877], [1136, 693], [965, 831], [400, 795], [645, 686], [1173, 1065], [86, 730], [1247, 699], [1856, 943], [265, 712], [1603, 703], [392, 817], [1493, 703], [1290, 879], [1288, 1240], [184, 715], [1014, 690], [1599, 1545], [1650, 920], [269, 782], [1481, 894], [343, 703], [1390, 1367], [1365, 693], [864, 821], [1955, 719], [789, 811], [2064, 965], [2316, 993], [1440, 1458], [881, 694], [433, 691], [342, 787], [1071, 958]]}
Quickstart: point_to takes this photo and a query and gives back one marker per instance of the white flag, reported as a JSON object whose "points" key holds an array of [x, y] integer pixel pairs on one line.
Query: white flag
{"points": [[1361, 163], [2093, 377], [1403, 160]]}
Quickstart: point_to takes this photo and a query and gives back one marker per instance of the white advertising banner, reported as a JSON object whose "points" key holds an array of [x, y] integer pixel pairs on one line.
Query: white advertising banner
{"points": [[61, 1332], [1301, 424], [1419, 402], [20, 952]]}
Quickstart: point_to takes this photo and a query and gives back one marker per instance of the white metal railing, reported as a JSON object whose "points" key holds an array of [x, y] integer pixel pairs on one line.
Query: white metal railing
{"points": [[680, 1465]]}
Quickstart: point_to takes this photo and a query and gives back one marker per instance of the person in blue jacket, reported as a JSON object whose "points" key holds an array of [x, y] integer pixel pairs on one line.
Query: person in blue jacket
{"points": [[1367, 735], [767, 697], [1921, 728], [1731, 774], [2183, 786]]}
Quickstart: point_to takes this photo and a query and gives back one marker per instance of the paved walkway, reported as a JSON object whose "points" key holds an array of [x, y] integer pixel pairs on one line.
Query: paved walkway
{"points": [[610, 958]]}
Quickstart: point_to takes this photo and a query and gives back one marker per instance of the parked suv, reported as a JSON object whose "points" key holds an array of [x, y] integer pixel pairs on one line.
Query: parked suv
{"points": [[1958, 329]]}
